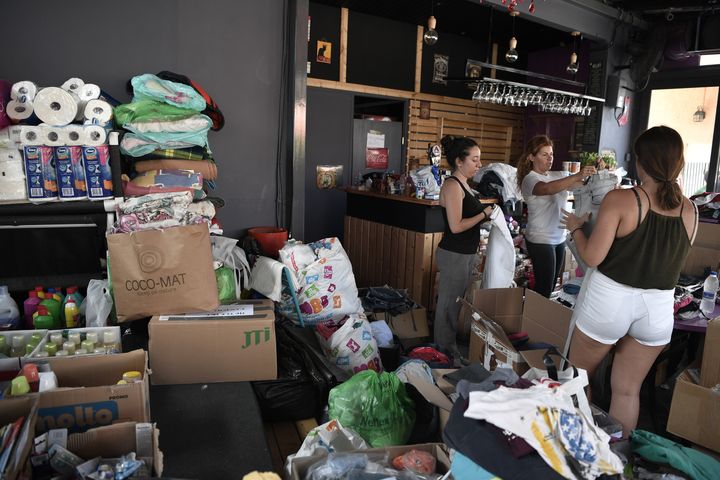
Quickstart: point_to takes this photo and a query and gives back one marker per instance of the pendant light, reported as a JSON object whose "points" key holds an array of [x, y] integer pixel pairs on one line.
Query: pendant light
{"points": [[573, 67], [699, 114], [511, 55], [430, 37]]}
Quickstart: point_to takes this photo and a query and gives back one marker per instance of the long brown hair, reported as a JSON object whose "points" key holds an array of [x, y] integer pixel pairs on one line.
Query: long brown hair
{"points": [[659, 151], [524, 165]]}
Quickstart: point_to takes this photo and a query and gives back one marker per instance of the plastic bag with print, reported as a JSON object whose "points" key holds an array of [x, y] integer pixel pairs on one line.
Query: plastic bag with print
{"points": [[350, 344], [324, 281]]}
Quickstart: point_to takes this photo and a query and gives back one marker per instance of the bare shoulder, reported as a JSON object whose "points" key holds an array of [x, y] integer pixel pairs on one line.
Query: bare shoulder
{"points": [[451, 187], [618, 198]]}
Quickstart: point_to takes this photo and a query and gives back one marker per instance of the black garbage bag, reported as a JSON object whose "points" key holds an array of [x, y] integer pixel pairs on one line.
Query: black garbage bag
{"points": [[303, 383]]}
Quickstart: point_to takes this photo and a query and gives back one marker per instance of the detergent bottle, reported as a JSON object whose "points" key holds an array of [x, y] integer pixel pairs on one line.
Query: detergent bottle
{"points": [[9, 313], [30, 307]]}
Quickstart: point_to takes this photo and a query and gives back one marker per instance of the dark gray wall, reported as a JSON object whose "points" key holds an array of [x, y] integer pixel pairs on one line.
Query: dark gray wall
{"points": [[232, 49]]}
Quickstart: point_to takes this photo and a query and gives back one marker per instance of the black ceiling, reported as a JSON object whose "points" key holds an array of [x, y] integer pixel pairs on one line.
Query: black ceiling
{"points": [[662, 7], [461, 17]]}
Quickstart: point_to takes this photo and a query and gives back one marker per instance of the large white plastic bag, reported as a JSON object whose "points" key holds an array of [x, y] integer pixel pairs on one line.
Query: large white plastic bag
{"points": [[97, 304], [351, 347], [423, 177], [324, 281], [330, 437]]}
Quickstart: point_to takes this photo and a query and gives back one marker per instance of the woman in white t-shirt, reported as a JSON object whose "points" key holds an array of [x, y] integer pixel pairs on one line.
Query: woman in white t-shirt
{"points": [[545, 195]]}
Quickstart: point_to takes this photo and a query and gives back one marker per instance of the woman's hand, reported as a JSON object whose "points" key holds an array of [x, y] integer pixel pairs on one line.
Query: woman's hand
{"points": [[572, 222], [583, 174]]}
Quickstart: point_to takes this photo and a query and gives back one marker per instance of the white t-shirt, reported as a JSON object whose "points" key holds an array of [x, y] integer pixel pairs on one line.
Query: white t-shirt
{"points": [[543, 211]]}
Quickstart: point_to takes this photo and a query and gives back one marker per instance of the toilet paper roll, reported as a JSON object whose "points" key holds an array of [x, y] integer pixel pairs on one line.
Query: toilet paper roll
{"points": [[19, 111], [74, 135], [53, 136], [30, 135], [98, 112], [23, 91], [10, 136], [87, 92], [94, 135], [55, 106], [73, 85]]}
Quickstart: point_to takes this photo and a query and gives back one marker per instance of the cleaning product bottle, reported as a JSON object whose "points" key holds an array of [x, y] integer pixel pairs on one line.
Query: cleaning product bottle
{"points": [[54, 307], [9, 313], [74, 292], [72, 312], [29, 307], [40, 291], [43, 320], [58, 295]]}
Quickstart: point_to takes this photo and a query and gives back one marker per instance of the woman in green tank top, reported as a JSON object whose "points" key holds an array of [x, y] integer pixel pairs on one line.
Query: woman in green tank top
{"points": [[638, 246]]}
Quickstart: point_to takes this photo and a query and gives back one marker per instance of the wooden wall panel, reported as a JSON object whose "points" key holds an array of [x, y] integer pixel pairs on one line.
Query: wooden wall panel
{"points": [[381, 254]]}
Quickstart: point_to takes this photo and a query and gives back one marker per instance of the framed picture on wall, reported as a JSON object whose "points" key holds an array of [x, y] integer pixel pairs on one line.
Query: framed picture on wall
{"points": [[440, 69], [472, 68]]}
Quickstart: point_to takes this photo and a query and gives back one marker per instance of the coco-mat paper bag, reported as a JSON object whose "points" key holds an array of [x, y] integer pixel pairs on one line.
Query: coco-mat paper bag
{"points": [[158, 272]]}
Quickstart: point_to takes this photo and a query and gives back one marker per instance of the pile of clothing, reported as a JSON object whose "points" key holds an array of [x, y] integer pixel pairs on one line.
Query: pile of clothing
{"points": [[168, 122], [708, 205], [499, 180], [512, 427]]}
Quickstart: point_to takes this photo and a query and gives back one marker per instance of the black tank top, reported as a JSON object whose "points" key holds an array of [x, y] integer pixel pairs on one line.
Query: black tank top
{"points": [[467, 241], [652, 255]]}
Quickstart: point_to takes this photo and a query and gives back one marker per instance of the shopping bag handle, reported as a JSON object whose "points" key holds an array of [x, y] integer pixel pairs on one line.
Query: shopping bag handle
{"points": [[550, 363]]}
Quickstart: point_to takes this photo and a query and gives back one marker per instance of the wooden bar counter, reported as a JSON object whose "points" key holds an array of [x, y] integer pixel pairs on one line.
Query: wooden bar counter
{"points": [[391, 239]]}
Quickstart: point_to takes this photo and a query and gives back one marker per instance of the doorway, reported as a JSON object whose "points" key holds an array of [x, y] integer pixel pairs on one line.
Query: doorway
{"points": [[692, 112]]}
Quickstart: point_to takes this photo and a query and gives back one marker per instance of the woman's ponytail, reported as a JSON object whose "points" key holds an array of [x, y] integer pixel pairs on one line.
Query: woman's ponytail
{"points": [[669, 195]]}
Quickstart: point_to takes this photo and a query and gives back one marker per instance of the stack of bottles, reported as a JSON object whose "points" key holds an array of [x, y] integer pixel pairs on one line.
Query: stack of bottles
{"points": [[68, 343], [51, 309], [19, 344]]}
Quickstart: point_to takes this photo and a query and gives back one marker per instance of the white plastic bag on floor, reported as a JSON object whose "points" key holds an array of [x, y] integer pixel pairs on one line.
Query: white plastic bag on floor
{"points": [[324, 281], [330, 437], [97, 304]]}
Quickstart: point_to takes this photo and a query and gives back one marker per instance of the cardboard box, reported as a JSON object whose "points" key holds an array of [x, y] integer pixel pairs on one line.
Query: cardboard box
{"points": [[512, 310], [300, 466], [10, 410], [88, 395], [215, 349], [708, 235], [114, 441], [699, 259], [695, 413], [710, 367], [411, 324]]}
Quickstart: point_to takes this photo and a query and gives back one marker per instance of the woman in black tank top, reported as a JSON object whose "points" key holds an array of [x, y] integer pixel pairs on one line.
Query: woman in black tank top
{"points": [[639, 244], [456, 253]]}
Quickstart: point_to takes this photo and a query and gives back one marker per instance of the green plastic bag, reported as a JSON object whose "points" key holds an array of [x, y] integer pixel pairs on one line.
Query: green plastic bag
{"points": [[374, 405], [141, 111], [226, 285]]}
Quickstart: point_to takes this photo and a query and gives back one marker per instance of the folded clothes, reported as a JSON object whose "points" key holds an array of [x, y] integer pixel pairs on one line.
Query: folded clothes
{"points": [[190, 153], [207, 168]]}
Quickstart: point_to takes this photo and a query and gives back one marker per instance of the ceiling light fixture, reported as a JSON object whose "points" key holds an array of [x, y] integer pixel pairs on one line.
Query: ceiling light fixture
{"points": [[573, 67], [699, 115], [430, 37], [512, 54]]}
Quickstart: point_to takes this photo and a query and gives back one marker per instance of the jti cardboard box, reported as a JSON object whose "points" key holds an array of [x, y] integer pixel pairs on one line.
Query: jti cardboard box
{"points": [[10, 410], [512, 310], [695, 409], [219, 346], [89, 396]]}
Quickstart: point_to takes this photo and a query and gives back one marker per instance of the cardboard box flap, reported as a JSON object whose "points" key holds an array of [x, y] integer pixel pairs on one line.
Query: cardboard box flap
{"points": [[10, 410], [97, 370], [431, 392], [495, 337], [710, 368], [504, 305], [695, 413], [545, 321], [708, 235], [700, 258]]}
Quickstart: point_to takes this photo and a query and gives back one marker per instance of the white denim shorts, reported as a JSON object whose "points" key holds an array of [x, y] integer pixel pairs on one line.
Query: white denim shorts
{"points": [[607, 310]]}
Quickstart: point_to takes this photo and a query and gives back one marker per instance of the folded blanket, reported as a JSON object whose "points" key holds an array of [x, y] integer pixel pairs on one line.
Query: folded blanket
{"points": [[206, 167]]}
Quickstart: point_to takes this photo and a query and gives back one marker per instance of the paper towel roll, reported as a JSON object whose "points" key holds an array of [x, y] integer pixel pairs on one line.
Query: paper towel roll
{"points": [[53, 136], [19, 111], [73, 85], [24, 91], [55, 106], [31, 136], [94, 135], [87, 92], [74, 135], [98, 112]]}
